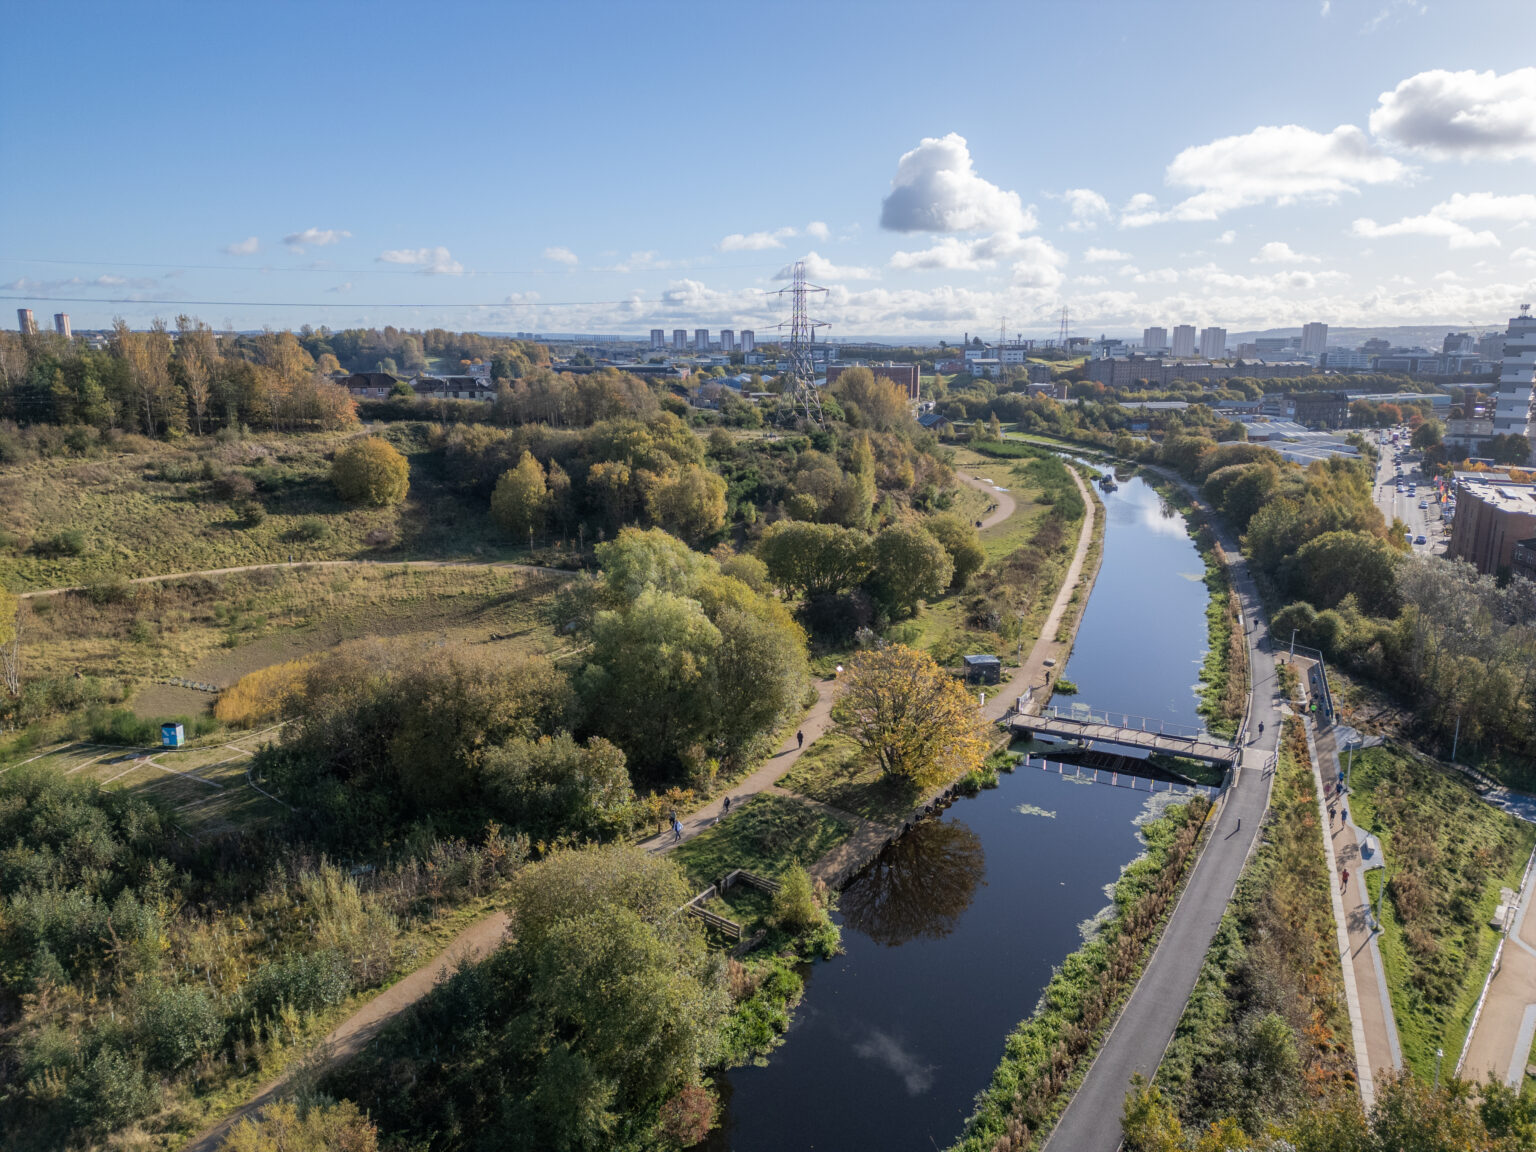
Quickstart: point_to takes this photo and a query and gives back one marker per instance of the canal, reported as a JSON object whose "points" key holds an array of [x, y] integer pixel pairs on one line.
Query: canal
{"points": [[952, 934]]}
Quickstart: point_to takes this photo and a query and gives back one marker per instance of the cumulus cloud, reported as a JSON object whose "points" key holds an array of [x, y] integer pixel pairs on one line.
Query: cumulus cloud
{"points": [[315, 238], [817, 230], [344, 287], [432, 261], [1283, 164], [560, 255], [1140, 210], [1462, 115], [755, 241], [247, 247], [1100, 255], [818, 267], [1087, 207], [1226, 237], [953, 254], [936, 189], [1451, 219], [1279, 252], [1523, 256]]}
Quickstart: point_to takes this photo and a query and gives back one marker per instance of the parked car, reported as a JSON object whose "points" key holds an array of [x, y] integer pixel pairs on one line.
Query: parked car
{"points": [[1420, 539]]}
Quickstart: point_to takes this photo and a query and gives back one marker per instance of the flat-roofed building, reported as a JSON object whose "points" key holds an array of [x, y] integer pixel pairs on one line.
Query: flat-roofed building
{"points": [[1493, 514], [748, 340], [1213, 343], [1517, 379], [1184, 340], [658, 339], [701, 339], [904, 376], [1154, 340], [1314, 338], [679, 340]]}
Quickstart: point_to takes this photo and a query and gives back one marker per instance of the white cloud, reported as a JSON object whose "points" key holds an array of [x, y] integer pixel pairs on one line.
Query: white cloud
{"points": [[1523, 256], [1326, 9], [315, 238], [520, 298], [953, 254], [755, 241], [1090, 281], [1283, 164], [818, 267], [1140, 210], [936, 189], [817, 230], [561, 255], [1088, 208], [432, 261], [1100, 255], [1279, 252], [1466, 115], [1157, 276], [345, 287], [247, 247], [1450, 218]]}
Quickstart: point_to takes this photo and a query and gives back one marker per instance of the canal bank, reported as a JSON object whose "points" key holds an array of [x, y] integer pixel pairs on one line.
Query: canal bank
{"points": [[892, 1040]]}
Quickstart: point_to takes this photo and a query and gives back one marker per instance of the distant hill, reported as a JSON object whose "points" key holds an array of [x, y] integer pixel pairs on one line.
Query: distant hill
{"points": [[1402, 336]]}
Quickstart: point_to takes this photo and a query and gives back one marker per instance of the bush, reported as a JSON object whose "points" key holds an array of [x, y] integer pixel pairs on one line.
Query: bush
{"points": [[309, 531], [69, 542], [121, 726], [261, 695], [234, 486], [371, 471], [175, 1025], [251, 512], [795, 908], [110, 1091], [303, 982]]}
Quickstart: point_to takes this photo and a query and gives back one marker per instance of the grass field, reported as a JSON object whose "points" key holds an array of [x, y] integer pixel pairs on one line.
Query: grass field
{"points": [[832, 771], [1447, 856], [765, 835], [181, 507]]}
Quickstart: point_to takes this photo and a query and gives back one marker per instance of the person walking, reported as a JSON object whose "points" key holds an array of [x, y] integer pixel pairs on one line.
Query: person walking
{"points": [[677, 830], [726, 810], [799, 740]]}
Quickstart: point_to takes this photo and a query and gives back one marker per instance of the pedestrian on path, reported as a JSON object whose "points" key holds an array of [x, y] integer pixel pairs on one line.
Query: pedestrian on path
{"points": [[727, 809], [1344, 880], [677, 830], [799, 740]]}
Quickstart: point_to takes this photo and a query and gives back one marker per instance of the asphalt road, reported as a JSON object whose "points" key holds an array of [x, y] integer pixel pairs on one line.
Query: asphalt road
{"points": [[1145, 1027], [1401, 506]]}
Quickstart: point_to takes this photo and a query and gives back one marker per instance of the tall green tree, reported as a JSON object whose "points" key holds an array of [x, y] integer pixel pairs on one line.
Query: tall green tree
{"points": [[910, 567], [521, 498]]}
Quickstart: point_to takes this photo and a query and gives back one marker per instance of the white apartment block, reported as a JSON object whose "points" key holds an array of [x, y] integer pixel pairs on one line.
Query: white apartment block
{"points": [[1154, 340], [701, 339], [679, 339], [727, 340], [1314, 339], [1184, 340], [1512, 400], [658, 339], [748, 340], [1213, 343]]}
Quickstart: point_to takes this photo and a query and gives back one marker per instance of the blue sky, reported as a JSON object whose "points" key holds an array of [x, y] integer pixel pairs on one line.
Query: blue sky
{"points": [[613, 167]]}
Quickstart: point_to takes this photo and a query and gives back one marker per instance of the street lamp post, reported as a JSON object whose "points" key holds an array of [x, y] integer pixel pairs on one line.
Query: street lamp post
{"points": [[1293, 644]]}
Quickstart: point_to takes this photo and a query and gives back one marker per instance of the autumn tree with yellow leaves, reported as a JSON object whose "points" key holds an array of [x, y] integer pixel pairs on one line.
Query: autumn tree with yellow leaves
{"points": [[913, 718]]}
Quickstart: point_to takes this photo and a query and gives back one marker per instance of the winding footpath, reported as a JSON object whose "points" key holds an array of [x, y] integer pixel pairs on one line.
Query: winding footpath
{"points": [[1145, 1026]]}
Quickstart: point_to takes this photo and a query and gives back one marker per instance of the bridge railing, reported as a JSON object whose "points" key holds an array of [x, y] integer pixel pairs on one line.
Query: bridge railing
{"points": [[1084, 714]]}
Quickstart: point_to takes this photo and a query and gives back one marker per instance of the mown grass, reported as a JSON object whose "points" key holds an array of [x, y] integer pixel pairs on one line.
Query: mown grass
{"points": [[1447, 855], [832, 771], [766, 835]]}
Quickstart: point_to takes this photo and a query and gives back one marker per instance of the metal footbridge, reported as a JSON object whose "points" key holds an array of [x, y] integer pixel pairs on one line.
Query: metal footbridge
{"points": [[1080, 722]]}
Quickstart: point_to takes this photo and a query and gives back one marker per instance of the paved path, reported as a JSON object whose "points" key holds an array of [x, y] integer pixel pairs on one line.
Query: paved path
{"points": [[350, 1036], [507, 564], [1145, 1026], [1005, 503], [1500, 1044], [1376, 1042]]}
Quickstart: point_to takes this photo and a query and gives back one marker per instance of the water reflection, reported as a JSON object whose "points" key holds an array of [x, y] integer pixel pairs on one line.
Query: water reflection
{"points": [[918, 887]]}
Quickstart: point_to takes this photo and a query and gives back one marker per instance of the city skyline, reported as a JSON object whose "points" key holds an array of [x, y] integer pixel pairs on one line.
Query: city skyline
{"points": [[1387, 190]]}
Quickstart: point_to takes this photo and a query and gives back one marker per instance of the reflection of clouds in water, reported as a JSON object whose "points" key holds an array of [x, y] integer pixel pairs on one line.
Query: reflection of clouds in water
{"points": [[1034, 810], [1155, 516], [883, 1048]]}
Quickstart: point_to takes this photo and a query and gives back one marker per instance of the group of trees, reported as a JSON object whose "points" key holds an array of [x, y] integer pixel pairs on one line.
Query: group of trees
{"points": [[161, 383]]}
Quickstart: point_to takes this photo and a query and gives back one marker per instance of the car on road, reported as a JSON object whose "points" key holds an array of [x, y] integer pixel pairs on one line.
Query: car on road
{"points": [[1423, 503], [1408, 536], [1420, 539]]}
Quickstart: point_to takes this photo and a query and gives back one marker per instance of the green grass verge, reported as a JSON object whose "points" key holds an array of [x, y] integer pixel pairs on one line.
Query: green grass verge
{"points": [[1448, 854], [766, 835], [832, 771]]}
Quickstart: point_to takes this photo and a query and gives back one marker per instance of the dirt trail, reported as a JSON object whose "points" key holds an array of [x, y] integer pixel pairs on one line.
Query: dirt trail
{"points": [[350, 1036], [1005, 502]]}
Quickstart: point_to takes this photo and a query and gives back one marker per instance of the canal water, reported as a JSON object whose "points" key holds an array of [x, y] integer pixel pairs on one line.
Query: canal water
{"points": [[952, 934]]}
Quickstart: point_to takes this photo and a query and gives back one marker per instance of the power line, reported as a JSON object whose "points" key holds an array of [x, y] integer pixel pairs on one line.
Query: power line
{"points": [[328, 304]]}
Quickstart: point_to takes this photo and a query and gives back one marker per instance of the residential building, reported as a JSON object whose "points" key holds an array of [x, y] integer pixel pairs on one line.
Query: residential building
{"points": [[679, 340], [1184, 340], [1493, 513], [904, 376], [1459, 343], [1118, 372], [24, 322], [1346, 360], [1248, 351], [727, 340], [701, 339], [1522, 559], [1512, 397], [1465, 437], [454, 387], [1322, 409], [367, 385], [658, 339], [1314, 338], [748, 340], [936, 423], [989, 366], [1213, 343], [61, 324], [1491, 346], [1154, 340]]}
